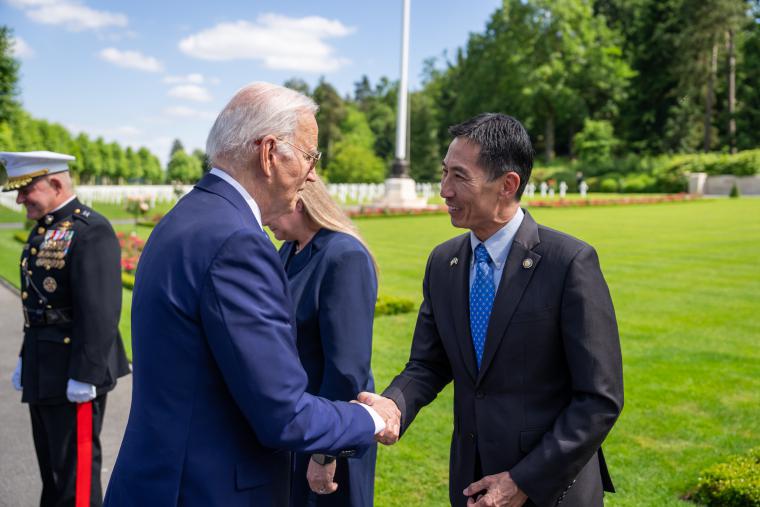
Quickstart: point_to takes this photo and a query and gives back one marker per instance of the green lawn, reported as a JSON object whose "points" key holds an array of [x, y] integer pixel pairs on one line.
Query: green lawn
{"points": [[685, 278], [8, 215]]}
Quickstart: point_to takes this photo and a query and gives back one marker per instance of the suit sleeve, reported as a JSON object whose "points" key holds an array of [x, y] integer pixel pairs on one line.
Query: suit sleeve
{"points": [[246, 316], [96, 301], [428, 370], [592, 349], [347, 298]]}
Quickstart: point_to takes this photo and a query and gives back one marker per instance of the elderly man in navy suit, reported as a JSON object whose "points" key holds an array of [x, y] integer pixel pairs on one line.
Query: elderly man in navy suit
{"points": [[219, 393], [519, 317]]}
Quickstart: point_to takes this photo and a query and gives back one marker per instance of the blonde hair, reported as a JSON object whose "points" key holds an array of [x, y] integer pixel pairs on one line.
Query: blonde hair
{"points": [[324, 212]]}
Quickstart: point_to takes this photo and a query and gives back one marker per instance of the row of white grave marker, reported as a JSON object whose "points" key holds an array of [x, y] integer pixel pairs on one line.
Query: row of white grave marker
{"points": [[344, 193]]}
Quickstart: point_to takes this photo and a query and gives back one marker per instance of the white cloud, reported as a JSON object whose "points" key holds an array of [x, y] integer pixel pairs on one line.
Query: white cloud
{"points": [[70, 13], [190, 92], [194, 78], [20, 48], [278, 41], [188, 112], [131, 60]]}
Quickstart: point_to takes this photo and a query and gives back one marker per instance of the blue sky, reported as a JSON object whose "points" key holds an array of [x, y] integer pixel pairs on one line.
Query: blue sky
{"points": [[144, 73]]}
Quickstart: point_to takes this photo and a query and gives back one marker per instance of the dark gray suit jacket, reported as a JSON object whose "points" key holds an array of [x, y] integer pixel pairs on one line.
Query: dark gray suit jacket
{"points": [[550, 386]]}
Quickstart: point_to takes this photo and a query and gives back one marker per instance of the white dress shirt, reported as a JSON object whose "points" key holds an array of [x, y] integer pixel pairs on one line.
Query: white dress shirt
{"points": [[498, 247]]}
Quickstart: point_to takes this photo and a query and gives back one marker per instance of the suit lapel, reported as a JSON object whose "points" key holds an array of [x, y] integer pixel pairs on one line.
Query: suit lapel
{"points": [[459, 282], [515, 278]]}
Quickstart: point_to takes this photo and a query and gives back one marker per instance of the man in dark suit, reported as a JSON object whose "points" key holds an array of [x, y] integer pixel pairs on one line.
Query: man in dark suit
{"points": [[219, 394], [72, 352], [520, 318]]}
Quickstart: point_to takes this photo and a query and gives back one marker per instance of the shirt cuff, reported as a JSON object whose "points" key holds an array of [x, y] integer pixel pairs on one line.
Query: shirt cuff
{"points": [[379, 423]]}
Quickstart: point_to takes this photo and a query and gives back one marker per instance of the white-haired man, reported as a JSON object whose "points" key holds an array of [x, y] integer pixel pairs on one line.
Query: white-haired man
{"points": [[219, 393]]}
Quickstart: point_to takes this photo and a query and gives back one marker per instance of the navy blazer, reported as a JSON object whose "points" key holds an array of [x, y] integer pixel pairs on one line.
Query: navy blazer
{"points": [[334, 288], [218, 387]]}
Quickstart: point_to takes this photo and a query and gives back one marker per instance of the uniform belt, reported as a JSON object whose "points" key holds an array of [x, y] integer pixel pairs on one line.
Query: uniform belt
{"points": [[47, 317]]}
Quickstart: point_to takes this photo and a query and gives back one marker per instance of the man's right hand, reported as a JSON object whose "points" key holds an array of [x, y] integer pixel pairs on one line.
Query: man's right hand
{"points": [[16, 377], [388, 410]]}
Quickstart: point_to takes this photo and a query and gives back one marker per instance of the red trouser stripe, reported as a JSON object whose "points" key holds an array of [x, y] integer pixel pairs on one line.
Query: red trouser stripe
{"points": [[84, 454]]}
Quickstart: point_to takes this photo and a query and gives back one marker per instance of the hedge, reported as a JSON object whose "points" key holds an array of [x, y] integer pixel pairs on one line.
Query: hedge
{"points": [[391, 305], [386, 305], [735, 483]]}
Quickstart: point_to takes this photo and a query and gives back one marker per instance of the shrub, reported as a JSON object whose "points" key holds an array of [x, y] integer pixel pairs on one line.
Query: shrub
{"points": [[735, 483], [21, 236], [594, 145], [127, 280], [734, 191], [638, 183], [391, 305], [609, 185]]}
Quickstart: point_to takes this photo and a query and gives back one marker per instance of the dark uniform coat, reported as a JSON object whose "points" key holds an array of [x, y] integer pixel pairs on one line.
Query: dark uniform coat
{"points": [[71, 296], [550, 385]]}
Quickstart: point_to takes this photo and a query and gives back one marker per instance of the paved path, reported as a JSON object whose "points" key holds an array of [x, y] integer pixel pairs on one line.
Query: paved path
{"points": [[20, 484]]}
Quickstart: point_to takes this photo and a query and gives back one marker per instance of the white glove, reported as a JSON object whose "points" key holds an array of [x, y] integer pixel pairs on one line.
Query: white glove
{"points": [[79, 392], [16, 377]]}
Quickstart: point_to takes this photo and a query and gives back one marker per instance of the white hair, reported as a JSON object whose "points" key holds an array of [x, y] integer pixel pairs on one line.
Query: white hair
{"points": [[256, 110]]}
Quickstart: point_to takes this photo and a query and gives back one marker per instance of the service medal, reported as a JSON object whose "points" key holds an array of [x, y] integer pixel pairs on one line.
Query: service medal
{"points": [[49, 284]]}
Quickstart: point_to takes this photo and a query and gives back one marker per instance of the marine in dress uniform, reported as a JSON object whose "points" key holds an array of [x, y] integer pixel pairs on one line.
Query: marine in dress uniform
{"points": [[72, 352]]}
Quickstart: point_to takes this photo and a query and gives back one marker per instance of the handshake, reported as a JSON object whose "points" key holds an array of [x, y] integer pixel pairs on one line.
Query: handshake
{"points": [[391, 415], [321, 471]]}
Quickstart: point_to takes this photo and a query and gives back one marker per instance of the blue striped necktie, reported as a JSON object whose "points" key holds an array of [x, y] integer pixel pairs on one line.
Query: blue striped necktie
{"points": [[481, 300]]}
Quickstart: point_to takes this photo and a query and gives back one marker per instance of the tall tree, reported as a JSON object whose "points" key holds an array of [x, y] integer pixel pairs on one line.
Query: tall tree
{"points": [[549, 63], [298, 85], [354, 160], [8, 76], [332, 111], [176, 146]]}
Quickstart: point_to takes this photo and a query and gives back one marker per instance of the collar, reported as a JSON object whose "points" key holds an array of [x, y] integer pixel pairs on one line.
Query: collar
{"points": [[243, 192], [64, 203], [65, 209], [498, 244]]}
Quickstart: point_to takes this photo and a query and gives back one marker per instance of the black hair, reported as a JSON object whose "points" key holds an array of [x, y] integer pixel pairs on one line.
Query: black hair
{"points": [[504, 145]]}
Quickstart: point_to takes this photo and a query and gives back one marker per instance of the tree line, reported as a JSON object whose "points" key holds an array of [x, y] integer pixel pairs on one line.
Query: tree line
{"points": [[596, 82]]}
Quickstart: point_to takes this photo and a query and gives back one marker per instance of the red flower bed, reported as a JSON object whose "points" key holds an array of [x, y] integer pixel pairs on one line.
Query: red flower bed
{"points": [[131, 248], [374, 211]]}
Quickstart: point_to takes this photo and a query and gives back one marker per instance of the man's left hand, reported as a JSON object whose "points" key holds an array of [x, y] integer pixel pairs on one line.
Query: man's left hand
{"points": [[497, 490], [80, 392], [320, 477]]}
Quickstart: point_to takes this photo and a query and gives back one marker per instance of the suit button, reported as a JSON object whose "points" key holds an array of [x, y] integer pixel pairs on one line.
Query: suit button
{"points": [[472, 436], [480, 395], [33, 251], [67, 340], [24, 295], [40, 230]]}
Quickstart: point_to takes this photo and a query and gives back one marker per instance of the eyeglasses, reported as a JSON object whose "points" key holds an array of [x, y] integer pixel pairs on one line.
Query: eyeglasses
{"points": [[311, 158]]}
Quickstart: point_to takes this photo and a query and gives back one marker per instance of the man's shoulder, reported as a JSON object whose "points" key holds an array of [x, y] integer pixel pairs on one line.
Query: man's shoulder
{"points": [[559, 244]]}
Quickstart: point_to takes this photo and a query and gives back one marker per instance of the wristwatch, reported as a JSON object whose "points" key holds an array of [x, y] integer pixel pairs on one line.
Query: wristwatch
{"points": [[322, 459]]}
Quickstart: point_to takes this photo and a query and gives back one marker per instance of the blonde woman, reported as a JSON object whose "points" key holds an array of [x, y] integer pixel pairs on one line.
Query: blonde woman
{"points": [[333, 283]]}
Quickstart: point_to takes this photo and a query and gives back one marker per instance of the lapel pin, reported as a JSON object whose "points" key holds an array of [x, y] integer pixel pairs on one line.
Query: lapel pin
{"points": [[527, 263], [454, 260]]}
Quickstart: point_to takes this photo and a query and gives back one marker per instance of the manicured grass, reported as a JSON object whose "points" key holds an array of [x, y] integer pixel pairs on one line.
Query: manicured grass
{"points": [[7, 215], [685, 279]]}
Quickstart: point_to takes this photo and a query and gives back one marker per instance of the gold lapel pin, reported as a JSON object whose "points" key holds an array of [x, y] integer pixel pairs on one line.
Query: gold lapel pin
{"points": [[454, 260], [527, 263]]}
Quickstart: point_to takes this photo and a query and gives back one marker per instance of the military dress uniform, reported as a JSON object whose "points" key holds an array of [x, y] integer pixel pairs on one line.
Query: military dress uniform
{"points": [[71, 296]]}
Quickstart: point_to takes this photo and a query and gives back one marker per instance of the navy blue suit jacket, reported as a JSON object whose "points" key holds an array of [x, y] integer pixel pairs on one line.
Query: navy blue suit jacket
{"points": [[334, 288], [218, 386]]}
